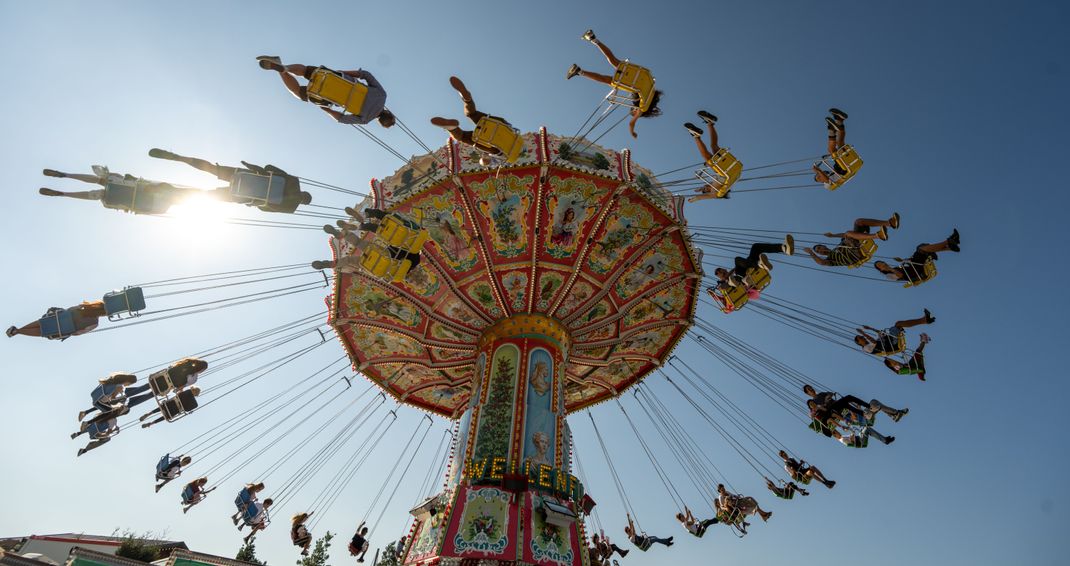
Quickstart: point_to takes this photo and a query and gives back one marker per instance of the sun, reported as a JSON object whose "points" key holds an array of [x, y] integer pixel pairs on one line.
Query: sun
{"points": [[199, 218]]}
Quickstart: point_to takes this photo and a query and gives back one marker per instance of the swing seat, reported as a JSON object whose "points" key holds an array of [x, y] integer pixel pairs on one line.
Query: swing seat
{"points": [[57, 325], [377, 261], [329, 86], [132, 196], [916, 275], [243, 499], [628, 80], [723, 170], [900, 345], [491, 132], [258, 190], [178, 406], [400, 232], [558, 515], [848, 160], [161, 466], [129, 300], [160, 383], [867, 249], [187, 495]]}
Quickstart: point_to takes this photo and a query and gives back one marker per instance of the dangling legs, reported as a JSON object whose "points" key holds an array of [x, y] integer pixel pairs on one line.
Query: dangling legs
{"points": [[287, 74], [875, 406], [832, 135], [927, 318], [31, 329], [613, 61], [222, 172], [93, 445], [817, 475], [83, 195], [83, 177], [870, 431]]}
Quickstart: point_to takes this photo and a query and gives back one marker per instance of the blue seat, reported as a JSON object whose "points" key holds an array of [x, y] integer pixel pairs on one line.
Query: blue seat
{"points": [[187, 494], [130, 299], [57, 324], [258, 189], [243, 499]]}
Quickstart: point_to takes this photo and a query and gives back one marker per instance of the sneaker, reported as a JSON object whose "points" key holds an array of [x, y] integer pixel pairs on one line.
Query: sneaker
{"points": [[838, 114], [788, 247], [81, 415], [925, 338], [894, 221], [888, 440], [161, 153], [353, 213], [446, 123], [707, 117], [900, 414], [954, 235], [832, 125], [74, 435], [146, 425], [830, 484], [81, 451], [929, 318], [624, 552], [458, 85], [53, 173], [11, 331], [270, 63], [693, 130], [321, 264], [49, 192], [766, 516], [589, 35], [763, 262], [572, 71], [953, 246], [882, 233], [332, 230]]}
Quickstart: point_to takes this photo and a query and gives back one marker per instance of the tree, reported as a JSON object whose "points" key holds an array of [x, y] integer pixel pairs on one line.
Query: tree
{"points": [[248, 554], [389, 555], [319, 554], [136, 546]]}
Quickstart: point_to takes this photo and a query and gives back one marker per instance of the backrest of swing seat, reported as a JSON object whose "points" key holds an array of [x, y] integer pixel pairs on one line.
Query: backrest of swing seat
{"points": [[376, 261], [131, 299], [900, 345], [847, 157], [162, 464], [187, 494], [328, 85], [633, 79], [727, 166], [402, 233], [927, 272], [261, 189], [492, 132], [866, 249], [734, 298], [130, 196], [160, 382], [59, 324], [758, 278], [178, 406], [401, 270]]}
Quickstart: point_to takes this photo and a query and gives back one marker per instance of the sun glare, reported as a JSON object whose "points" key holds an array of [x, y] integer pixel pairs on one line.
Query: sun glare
{"points": [[199, 217]]}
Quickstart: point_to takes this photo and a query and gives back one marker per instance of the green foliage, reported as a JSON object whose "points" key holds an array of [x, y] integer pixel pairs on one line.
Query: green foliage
{"points": [[248, 554], [565, 151], [135, 547], [319, 554], [389, 555], [600, 161]]}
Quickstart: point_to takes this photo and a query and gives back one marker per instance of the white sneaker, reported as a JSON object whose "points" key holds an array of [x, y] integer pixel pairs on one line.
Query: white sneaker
{"points": [[589, 35], [788, 247], [763, 261]]}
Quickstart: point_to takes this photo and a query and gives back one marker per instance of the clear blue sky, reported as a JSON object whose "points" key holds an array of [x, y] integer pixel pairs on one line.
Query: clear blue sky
{"points": [[959, 109]]}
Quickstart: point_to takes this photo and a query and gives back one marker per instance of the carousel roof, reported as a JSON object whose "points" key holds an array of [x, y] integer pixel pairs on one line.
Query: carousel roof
{"points": [[571, 230]]}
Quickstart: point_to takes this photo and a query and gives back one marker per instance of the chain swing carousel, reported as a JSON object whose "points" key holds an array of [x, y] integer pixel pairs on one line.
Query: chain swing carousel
{"points": [[546, 286]]}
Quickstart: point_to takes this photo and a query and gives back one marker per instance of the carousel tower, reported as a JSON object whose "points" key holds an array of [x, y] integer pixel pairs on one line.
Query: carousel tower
{"points": [[544, 286]]}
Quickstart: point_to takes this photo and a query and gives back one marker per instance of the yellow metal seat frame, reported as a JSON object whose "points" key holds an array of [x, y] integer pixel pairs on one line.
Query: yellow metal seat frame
{"points": [[630, 79], [329, 86], [403, 233], [867, 249], [736, 297], [377, 261], [722, 170], [493, 133], [848, 160], [927, 272], [899, 346]]}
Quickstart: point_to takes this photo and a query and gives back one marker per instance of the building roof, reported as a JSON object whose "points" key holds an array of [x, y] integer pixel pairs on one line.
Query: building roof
{"points": [[9, 558], [76, 538]]}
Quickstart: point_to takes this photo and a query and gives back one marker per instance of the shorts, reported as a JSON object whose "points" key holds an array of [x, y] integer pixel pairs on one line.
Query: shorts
{"points": [[860, 228], [921, 256]]}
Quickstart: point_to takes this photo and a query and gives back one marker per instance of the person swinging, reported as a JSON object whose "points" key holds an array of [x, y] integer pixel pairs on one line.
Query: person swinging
{"points": [[60, 324], [693, 525], [786, 490], [361, 86], [123, 192], [643, 540], [800, 471], [493, 135], [856, 246], [634, 80], [725, 168], [299, 535], [358, 545]]}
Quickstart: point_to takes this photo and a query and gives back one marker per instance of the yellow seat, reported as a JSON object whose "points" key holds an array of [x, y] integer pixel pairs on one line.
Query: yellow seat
{"points": [[899, 346], [403, 233], [867, 249], [494, 133], [329, 86], [915, 276], [377, 261], [848, 160], [734, 298], [632, 79], [723, 170]]}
